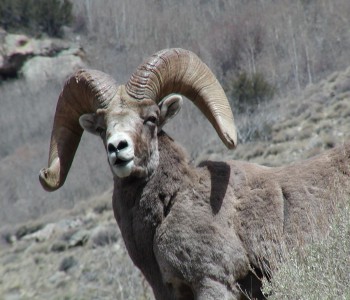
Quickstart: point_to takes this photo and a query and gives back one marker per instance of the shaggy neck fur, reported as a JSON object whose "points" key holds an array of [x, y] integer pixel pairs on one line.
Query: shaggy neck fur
{"points": [[140, 210]]}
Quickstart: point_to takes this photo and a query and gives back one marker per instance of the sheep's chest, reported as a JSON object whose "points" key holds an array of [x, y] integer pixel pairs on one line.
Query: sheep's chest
{"points": [[138, 218]]}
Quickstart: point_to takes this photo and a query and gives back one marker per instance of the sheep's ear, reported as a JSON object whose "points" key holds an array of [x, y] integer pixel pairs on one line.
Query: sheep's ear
{"points": [[169, 107], [88, 122]]}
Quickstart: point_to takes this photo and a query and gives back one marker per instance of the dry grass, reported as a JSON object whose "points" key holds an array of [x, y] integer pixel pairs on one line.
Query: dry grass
{"points": [[320, 271], [84, 260]]}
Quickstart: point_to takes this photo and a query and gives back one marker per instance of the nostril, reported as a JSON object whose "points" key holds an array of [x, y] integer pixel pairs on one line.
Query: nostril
{"points": [[111, 148], [122, 145]]}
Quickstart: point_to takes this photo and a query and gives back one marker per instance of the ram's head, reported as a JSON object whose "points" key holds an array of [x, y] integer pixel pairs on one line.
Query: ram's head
{"points": [[129, 132], [129, 117]]}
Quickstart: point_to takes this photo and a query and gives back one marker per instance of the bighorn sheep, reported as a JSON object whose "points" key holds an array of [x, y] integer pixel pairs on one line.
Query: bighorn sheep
{"points": [[194, 232]]}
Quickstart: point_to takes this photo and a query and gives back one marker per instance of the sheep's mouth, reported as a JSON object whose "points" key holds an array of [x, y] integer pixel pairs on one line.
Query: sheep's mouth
{"points": [[119, 162]]}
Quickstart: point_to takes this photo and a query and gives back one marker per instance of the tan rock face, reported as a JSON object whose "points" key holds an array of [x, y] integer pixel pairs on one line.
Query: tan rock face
{"points": [[17, 49], [39, 69]]}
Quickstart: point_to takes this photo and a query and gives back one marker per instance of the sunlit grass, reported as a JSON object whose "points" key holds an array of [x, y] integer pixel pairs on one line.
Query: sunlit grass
{"points": [[321, 270]]}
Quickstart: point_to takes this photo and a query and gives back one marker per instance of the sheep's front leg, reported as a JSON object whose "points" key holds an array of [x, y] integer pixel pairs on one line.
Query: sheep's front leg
{"points": [[209, 289]]}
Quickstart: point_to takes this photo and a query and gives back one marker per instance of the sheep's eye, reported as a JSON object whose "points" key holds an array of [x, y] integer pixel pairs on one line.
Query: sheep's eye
{"points": [[100, 131], [151, 120]]}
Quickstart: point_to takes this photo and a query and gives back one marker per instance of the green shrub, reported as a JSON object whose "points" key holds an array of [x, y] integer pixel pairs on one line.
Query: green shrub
{"points": [[36, 16], [247, 92]]}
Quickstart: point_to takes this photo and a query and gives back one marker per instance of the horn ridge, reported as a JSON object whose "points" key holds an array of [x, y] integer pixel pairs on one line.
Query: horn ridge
{"points": [[84, 92], [181, 71]]}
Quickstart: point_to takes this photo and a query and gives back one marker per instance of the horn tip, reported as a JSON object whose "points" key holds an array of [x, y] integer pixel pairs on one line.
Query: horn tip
{"points": [[48, 180], [230, 140], [230, 144]]}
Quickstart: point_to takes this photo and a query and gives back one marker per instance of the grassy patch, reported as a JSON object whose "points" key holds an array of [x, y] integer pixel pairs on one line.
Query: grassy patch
{"points": [[321, 271]]}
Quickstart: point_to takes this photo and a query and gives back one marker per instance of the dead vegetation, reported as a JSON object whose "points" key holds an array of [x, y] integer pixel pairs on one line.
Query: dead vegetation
{"points": [[295, 44], [78, 254], [319, 270]]}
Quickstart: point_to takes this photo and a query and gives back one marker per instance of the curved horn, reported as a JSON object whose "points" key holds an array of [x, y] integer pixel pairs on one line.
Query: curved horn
{"points": [[84, 92], [181, 71]]}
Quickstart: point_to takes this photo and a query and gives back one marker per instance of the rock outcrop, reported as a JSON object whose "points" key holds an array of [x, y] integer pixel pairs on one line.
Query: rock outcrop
{"points": [[30, 57]]}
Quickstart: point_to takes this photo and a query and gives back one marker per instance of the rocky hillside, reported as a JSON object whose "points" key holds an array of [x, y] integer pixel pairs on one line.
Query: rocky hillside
{"points": [[298, 127], [79, 254]]}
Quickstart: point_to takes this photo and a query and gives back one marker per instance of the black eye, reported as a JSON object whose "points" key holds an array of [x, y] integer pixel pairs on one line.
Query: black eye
{"points": [[151, 120], [100, 131]]}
